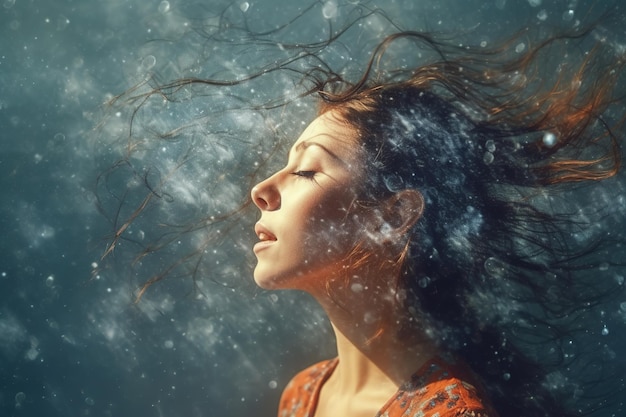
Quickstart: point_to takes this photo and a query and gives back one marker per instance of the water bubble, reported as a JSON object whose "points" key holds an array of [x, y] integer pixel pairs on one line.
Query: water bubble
{"points": [[272, 384], [534, 3], [605, 331], [488, 158], [164, 6], [94, 265], [483, 44], [568, 15], [506, 376], [549, 139], [168, 344], [50, 281], [329, 10], [490, 145], [244, 6], [148, 62], [495, 267], [89, 401], [423, 282], [59, 137], [19, 399], [604, 266], [356, 287], [542, 15], [520, 47], [622, 306], [62, 22]]}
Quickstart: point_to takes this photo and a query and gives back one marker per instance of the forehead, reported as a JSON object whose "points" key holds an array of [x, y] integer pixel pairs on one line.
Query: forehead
{"points": [[330, 133]]}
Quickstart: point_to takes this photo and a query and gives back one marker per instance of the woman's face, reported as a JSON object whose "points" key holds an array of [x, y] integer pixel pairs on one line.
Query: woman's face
{"points": [[307, 224]]}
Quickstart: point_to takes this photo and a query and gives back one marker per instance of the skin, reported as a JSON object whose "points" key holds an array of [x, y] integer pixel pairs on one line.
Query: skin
{"points": [[308, 224]]}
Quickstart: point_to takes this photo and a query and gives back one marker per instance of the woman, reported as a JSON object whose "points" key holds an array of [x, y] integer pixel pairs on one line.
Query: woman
{"points": [[412, 206]]}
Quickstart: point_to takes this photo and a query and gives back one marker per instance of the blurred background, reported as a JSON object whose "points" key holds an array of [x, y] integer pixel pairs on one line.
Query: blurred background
{"points": [[72, 340]]}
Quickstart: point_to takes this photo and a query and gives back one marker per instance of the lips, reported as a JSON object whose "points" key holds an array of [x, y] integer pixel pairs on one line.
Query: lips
{"points": [[265, 236]]}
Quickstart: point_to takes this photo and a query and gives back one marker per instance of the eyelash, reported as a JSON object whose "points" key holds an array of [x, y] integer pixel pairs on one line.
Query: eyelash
{"points": [[306, 174]]}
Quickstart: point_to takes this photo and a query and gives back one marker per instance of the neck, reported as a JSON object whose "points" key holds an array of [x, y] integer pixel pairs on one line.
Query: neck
{"points": [[373, 344]]}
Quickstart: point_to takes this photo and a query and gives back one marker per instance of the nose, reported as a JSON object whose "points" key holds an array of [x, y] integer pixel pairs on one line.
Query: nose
{"points": [[265, 195]]}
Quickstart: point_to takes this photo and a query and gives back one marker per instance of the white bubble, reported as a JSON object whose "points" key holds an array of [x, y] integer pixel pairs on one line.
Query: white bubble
{"points": [[549, 139], [164, 6], [329, 10], [604, 266], [148, 62], [534, 3], [19, 399], [488, 158], [568, 15], [490, 145], [542, 15], [423, 282], [50, 281], [168, 344], [356, 287], [520, 47], [605, 331], [94, 265], [89, 401], [273, 384], [483, 44], [244, 6], [506, 376]]}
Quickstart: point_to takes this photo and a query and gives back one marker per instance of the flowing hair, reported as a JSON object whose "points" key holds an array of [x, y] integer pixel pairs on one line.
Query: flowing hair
{"points": [[491, 137], [497, 273]]}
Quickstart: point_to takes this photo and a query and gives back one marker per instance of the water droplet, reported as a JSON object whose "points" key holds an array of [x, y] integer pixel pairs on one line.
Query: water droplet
{"points": [[605, 331], [490, 145], [168, 344], [356, 287], [50, 281], [549, 139], [164, 6], [520, 47], [272, 384], [89, 401], [244, 6], [59, 137], [329, 10], [568, 15], [483, 44], [488, 158], [506, 376]]}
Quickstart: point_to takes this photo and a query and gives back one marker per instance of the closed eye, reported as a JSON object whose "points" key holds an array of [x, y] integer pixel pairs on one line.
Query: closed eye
{"points": [[306, 174]]}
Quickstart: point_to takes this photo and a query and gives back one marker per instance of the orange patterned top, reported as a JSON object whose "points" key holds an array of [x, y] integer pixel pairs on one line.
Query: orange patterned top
{"points": [[440, 388]]}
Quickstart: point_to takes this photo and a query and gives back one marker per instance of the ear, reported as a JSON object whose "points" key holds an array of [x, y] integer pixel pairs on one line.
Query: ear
{"points": [[402, 210], [396, 215]]}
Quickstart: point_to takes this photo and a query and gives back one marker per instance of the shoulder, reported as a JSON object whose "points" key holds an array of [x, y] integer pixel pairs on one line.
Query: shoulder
{"points": [[302, 391], [442, 389]]}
